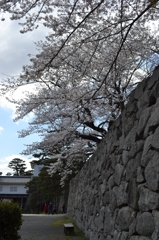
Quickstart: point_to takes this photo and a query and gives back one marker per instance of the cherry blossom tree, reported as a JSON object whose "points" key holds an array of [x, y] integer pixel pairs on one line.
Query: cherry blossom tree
{"points": [[95, 53]]}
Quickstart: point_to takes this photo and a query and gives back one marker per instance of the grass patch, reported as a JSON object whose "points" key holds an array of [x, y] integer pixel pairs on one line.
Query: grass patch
{"points": [[77, 232]]}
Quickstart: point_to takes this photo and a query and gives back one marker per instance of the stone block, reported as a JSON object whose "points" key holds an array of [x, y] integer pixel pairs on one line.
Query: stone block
{"points": [[148, 200], [146, 158], [117, 235], [152, 172], [120, 236], [109, 224], [103, 187], [130, 138], [143, 102], [145, 154], [155, 139], [112, 201], [155, 90], [137, 237], [153, 120], [125, 217], [145, 224], [111, 182], [137, 93], [140, 176], [155, 235], [109, 237], [135, 148], [142, 122], [118, 171], [155, 214], [133, 194], [132, 166], [93, 236], [132, 227], [121, 194], [125, 157], [106, 198]]}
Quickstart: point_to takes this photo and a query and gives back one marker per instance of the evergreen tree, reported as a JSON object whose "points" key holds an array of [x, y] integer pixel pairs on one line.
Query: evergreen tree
{"points": [[44, 188], [28, 173], [18, 165]]}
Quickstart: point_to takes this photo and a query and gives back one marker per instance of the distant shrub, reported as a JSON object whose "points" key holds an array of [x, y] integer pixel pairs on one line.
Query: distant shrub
{"points": [[10, 221]]}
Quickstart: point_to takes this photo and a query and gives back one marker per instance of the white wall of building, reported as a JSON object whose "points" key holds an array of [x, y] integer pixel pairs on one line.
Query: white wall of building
{"points": [[37, 169], [12, 189], [13, 185]]}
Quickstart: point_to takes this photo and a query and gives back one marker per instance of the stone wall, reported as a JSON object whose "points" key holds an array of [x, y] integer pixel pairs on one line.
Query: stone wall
{"points": [[116, 194]]}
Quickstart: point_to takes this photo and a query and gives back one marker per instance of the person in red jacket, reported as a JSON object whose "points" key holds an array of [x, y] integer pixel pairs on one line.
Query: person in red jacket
{"points": [[46, 208]]}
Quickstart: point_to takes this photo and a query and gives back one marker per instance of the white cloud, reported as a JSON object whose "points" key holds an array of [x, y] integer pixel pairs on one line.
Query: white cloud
{"points": [[4, 103], [5, 161], [14, 50], [1, 129], [15, 47], [19, 94]]}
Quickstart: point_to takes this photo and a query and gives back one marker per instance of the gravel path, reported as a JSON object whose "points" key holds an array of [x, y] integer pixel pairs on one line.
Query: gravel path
{"points": [[39, 227]]}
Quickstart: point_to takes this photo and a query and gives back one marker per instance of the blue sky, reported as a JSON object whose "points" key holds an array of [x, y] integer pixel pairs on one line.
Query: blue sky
{"points": [[14, 50], [10, 144]]}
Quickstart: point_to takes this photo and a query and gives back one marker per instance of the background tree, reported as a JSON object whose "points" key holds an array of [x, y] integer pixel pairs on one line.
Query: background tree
{"points": [[18, 166], [8, 174], [92, 58], [44, 188], [28, 173]]}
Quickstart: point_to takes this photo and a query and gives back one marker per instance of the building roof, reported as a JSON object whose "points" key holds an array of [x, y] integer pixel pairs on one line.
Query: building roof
{"points": [[14, 179]]}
